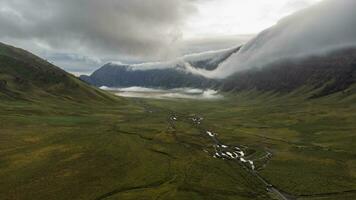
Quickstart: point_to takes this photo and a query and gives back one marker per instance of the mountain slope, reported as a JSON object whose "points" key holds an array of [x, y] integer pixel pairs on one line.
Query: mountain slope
{"points": [[327, 74], [26, 76], [314, 48]]}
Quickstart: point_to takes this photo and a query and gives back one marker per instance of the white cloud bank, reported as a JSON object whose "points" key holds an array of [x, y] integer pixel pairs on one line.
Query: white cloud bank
{"points": [[326, 26]]}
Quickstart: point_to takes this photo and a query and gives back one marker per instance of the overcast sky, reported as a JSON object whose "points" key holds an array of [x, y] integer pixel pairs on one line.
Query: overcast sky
{"points": [[81, 35]]}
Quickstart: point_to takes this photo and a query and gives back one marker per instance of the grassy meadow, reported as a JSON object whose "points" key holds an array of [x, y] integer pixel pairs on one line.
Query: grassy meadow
{"points": [[130, 149]]}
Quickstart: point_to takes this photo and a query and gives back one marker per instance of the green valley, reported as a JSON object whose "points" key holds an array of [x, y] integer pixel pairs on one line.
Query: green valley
{"points": [[262, 134], [129, 149]]}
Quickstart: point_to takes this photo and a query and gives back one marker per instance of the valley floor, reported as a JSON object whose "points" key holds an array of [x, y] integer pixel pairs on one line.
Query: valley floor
{"points": [[163, 149]]}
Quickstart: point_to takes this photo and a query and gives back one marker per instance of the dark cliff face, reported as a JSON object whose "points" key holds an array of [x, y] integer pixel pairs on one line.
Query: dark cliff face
{"points": [[331, 73]]}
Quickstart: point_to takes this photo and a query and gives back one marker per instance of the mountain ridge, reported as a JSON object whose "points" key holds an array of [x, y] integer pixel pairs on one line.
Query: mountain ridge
{"points": [[325, 74], [187, 71]]}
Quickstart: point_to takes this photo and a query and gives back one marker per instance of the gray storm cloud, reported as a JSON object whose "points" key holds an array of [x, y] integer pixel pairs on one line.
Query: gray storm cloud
{"points": [[326, 26], [136, 28]]}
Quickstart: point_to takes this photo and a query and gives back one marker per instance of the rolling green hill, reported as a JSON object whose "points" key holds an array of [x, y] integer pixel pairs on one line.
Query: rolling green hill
{"points": [[28, 77]]}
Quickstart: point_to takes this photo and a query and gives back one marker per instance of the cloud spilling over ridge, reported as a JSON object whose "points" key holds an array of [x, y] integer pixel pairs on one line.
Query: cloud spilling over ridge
{"points": [[187, 63], [102, 28], [326, 26]]}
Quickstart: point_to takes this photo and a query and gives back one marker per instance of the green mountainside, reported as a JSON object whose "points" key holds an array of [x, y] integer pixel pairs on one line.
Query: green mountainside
{"points": [[26, 76]]}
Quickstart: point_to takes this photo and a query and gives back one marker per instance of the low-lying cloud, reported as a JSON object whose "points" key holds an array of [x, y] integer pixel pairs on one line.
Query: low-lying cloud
{"points": [[156, 93], [186, 63]]}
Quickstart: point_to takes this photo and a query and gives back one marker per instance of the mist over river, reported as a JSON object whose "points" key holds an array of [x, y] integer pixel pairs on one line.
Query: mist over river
{"points": [[158, 93]]}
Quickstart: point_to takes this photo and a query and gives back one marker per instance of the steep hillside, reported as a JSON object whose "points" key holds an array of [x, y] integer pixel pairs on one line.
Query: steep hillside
{"points": [[26, 76], [326, 74]]}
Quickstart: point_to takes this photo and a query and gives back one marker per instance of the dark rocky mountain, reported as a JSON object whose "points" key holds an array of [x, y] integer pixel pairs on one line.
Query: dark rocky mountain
{"points": [[183, 72], [113, 75]]}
